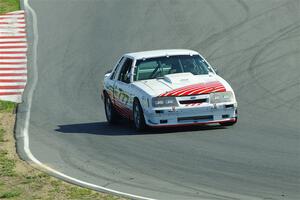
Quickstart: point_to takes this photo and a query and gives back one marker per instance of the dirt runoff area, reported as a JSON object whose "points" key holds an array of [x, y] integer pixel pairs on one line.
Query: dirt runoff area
{"points": [[20, 180]]}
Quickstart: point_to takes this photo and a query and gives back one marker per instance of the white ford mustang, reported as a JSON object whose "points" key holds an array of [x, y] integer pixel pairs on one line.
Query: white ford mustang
{"points": [[167, 88]]}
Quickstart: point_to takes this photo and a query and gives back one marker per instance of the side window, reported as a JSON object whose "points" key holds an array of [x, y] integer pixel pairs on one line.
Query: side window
{"points": [[117, 69], [125, 71]]}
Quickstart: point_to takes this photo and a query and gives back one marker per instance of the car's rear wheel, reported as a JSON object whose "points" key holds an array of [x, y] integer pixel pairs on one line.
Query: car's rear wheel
{"points": [[138, 116], [110, 112], [231, 123]]}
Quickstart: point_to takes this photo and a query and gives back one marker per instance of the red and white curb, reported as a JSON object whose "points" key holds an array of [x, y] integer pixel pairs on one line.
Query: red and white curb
{"points": [[13, 59]]}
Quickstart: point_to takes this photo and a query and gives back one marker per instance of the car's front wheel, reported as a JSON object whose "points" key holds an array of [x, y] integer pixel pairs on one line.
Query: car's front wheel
{"points": [[109, 110], [138, 116]]}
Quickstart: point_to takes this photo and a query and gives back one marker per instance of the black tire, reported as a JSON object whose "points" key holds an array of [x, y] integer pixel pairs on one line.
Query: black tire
{"points": [[138, 116], [229, 123], [110, 112]]}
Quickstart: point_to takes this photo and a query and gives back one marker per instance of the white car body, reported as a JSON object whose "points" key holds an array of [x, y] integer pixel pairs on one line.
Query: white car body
{"points": [[196, 96]]}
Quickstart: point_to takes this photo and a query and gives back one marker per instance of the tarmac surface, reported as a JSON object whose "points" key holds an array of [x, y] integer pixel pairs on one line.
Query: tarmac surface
{"points": [[254, 44]]}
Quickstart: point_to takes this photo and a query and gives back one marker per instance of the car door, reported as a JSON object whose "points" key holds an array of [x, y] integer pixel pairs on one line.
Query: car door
{"points": [[122, 89], [110, 82]]}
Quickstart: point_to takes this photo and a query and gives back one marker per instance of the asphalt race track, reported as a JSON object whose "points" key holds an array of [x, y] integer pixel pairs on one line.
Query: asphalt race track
{"points": [[254, 44]]}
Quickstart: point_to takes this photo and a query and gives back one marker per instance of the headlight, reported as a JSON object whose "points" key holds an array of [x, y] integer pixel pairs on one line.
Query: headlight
{"points": [[164, 102], [221, 97]]}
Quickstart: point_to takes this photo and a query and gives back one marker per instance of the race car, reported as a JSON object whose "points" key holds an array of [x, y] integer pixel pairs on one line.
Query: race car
{"points": [[162, 88]]}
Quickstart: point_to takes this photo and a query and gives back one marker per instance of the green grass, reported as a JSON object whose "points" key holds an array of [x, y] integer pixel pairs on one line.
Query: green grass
{"points": [[1, 135], [32, 186], [79, 193], [10, 194], [38, 179], [6, 106], [7, 166], [9, 6]]}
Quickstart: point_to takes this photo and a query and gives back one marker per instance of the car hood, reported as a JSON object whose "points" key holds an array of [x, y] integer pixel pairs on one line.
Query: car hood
{"points": [[183, 84]]}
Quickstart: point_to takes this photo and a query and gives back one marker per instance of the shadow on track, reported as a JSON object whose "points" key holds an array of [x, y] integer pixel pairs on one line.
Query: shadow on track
{"points": [[125, 128]]}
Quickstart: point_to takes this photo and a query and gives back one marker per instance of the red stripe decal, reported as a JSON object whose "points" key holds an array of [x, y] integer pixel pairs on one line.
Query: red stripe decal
{"points": [[178, 90], [13, 74], [12, 87], [12, 80], [12, 63], [10, 93], [12, 57], [12, 47], [200, 91], [13, 52], [13, 37], [186, 90], [195, 89], [122, 110], [12, 69]]}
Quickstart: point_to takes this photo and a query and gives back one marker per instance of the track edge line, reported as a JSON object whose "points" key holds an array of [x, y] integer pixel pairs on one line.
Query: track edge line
{"points": [[23, 138]]}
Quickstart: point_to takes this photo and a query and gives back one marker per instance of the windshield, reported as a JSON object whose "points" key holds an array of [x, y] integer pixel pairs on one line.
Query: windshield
{"points": [[158, 67]]}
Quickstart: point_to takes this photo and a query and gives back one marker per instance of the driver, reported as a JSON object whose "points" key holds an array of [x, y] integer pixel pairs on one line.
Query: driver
{"points": [[175, 67]]}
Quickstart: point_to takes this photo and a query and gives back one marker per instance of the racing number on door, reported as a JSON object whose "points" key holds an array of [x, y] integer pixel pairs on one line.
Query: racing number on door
{"points": [[122, 96]]}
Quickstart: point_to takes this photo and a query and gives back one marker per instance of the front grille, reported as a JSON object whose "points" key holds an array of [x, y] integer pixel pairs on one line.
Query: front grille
{"points": [[195, 118], [225, 116], [229, 106], [163, 121], [193, 101], [159, 111]]}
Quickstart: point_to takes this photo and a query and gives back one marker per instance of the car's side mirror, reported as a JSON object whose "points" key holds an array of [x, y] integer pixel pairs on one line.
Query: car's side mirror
{"points": [[107, 73]]}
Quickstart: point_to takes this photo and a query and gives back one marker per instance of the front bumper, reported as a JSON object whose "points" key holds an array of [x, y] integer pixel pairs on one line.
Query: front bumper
{"points": [[202, 114]]}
